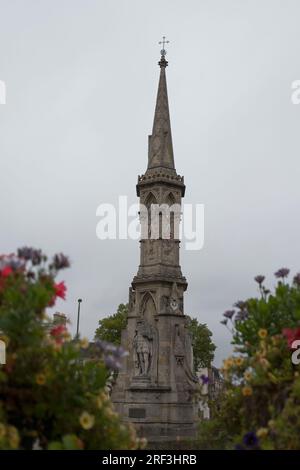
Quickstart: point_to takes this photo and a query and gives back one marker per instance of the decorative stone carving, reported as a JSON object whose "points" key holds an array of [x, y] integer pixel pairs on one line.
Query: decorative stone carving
{"points": [[143, 348], [179, 349], [132, 298], [174, 300]]}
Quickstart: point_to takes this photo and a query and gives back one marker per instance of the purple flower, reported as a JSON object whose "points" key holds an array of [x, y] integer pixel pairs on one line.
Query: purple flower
{"points": [[296, 280], [205, 379], [37, 257], [30, 254], [111, 354], [259, 279], [229, 314], [250, 439], [282, 273], [60, 261], [25, 253], [120, 352], [112, 363], [11, 261], [103, 346]]}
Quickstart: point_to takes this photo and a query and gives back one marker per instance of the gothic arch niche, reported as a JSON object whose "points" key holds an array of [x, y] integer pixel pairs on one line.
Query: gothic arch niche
{"points": [[149, 201], [170, 201], [148, 308], [145, 341]]}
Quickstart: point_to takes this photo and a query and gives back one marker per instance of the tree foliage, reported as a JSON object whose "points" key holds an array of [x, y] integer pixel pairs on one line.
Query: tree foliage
{"points": [[110, 328], [203, 347]]}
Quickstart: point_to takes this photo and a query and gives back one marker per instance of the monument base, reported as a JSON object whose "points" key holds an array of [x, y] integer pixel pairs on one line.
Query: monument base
{"points": [[155, 414]]}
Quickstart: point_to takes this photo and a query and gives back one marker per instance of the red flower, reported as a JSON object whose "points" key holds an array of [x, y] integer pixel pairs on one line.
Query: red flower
{"points": [[291, 334], [7, 271], [58, 330], [59, 333], [60, 290]]}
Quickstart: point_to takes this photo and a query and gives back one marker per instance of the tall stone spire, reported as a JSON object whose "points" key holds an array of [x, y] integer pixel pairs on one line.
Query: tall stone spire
{"points": [[155, 388], [160, 142]]}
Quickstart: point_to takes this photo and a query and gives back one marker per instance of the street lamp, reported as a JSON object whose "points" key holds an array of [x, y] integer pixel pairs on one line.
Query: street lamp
{"points": [[78, 318]]}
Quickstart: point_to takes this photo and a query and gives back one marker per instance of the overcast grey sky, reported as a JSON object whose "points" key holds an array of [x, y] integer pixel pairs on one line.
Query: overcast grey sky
{"points": [[81, 79]]}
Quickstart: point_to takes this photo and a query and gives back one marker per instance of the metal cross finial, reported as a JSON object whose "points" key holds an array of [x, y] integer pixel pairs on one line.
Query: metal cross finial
{"points": [[163, 42]]}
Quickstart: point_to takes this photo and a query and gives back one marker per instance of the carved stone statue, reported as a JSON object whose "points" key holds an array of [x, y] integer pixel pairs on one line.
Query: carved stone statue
{"points": [[131, 299], [143, 348]]}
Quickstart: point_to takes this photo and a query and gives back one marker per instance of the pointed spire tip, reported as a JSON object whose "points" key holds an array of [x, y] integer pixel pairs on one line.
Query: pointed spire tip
{"points": [[163, 62]]}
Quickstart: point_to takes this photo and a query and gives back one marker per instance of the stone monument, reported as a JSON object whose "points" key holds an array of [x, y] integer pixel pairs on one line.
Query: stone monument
{"points": [[155, 390]]}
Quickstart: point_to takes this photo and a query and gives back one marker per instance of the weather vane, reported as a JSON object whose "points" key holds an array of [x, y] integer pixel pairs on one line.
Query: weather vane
{"points": [[163, 42]]}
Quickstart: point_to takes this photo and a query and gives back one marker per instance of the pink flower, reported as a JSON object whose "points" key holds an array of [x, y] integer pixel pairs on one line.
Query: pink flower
{"points": [[7, 271], [291, 334], [60, 290], [58, 330], [59, 333]]}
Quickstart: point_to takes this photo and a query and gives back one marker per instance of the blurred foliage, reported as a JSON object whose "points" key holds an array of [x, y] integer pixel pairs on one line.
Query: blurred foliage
{"points": [[260, 406], [49, 397]]}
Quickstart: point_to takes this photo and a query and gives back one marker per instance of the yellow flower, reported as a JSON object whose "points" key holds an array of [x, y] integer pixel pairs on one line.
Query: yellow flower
{"points": [[110, 413], [227, 363], [103, 396], [248, 375], [40, 379], [263, 333], [239, 361], [247, 391], [87, 420], [13, 437], [84, 343], [2, 431], [262, 432]]}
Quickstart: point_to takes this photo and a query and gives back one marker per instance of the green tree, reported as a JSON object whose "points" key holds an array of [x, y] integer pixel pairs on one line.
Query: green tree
{"points": [[110, 328], [203, 347]]}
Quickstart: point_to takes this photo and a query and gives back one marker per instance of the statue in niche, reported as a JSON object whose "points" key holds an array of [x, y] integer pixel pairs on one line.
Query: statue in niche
{"points": [[131, 303], [143, 348]]}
